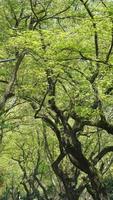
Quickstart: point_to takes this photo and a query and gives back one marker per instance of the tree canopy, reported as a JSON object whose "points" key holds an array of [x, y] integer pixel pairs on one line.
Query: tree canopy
{"points": [[56, 99]]}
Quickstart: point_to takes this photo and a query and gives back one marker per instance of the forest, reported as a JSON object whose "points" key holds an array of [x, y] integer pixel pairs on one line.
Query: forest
{"points": [[56, 100]]}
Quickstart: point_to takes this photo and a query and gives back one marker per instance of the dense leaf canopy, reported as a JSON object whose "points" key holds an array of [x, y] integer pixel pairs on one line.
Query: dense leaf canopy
{"points": [[56, 98]]}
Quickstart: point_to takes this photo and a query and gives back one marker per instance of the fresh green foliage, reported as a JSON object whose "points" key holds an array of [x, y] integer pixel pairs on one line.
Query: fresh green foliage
{"points": [[56, 121]]}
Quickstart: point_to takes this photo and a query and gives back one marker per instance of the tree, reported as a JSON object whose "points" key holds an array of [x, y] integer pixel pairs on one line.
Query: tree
{"points": [[62, 59]]}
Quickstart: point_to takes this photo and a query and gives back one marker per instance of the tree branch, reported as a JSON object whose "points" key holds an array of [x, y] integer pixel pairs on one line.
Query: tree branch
{"points": [[8, 91]]}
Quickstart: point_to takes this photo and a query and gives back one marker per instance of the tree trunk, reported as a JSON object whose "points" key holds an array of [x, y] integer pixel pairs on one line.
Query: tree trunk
{"points": [[99, 189]]}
